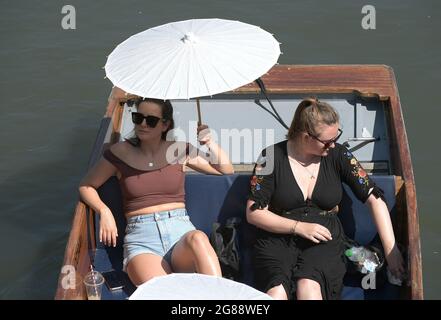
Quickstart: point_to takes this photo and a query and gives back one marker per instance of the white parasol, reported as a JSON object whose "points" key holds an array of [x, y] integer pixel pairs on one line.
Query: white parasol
{"points": [[192, 58], [194, 286]]}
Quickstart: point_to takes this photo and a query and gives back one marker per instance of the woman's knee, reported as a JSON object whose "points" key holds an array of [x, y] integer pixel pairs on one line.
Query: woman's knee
{"points": [[307, 285], [278, 292], [197, 240]]}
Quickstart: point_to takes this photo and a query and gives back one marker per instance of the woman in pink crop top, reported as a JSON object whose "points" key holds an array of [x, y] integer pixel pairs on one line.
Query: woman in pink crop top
{"points": [[160, 238]]}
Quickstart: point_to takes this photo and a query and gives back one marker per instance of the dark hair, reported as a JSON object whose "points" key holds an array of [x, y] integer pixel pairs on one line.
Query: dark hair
{"points": [[310, 114], [167, 115]]}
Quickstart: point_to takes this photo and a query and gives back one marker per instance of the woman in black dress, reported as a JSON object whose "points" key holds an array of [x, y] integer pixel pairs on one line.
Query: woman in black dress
{"points": [[295, 191]]}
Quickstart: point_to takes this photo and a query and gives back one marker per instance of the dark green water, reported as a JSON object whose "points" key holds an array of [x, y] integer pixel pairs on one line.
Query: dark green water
{"points": [[53, 96]]}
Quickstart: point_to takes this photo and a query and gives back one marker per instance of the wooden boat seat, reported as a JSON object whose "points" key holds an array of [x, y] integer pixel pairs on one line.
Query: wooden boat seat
{"points": [[216, 198]]}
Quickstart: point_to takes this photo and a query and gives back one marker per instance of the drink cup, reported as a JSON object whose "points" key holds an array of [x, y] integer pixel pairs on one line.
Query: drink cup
{"points": [[93, 281]]}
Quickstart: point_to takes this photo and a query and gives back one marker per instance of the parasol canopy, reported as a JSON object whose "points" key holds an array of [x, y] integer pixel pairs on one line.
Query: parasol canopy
{"points": [[195, 286], [192, 58]]}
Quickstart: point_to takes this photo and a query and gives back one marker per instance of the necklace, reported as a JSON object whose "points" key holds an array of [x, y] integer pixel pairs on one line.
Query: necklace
{"points": [[148, 161], [311, 175]]}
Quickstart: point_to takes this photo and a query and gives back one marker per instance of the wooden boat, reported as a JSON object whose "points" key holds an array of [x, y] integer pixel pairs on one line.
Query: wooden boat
{"points": [[366, 96]]}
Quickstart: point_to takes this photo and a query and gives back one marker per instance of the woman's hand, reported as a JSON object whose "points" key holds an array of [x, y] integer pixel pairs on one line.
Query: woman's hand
{"points": [[108, 230], [313, 231], [395, 262], [204, 134]]}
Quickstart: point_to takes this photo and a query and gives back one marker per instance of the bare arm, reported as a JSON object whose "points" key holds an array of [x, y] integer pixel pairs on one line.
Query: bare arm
{"points": [[96, 176], [217, 162], [219, 159], [381, 217], [269, 221]]}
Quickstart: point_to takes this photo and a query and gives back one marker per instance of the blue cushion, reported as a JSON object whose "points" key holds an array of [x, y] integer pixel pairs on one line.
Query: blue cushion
{"points": [[216, 198], [355, 216]]}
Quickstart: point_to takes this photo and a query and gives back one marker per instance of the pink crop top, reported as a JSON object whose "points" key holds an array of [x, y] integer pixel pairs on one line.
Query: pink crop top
{"points": [[142, 188]]}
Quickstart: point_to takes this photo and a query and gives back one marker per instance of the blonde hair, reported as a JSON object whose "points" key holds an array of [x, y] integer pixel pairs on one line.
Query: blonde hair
{"points": [[310, 114]]}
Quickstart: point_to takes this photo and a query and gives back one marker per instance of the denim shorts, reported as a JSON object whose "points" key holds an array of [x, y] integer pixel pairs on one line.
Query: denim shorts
{"points": [[155, 233]]}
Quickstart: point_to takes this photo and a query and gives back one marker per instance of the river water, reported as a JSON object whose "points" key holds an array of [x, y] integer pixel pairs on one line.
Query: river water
{"points": [[54, 95]]}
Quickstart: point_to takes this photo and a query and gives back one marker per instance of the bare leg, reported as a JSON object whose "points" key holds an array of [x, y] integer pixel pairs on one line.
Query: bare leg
{"points": [[194, 252], [278, 293], [308, 289], [146, 266]]}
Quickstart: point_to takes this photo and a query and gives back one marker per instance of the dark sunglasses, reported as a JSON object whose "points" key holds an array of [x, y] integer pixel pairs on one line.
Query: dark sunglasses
{"points": [[327, 143], [151, 121]]}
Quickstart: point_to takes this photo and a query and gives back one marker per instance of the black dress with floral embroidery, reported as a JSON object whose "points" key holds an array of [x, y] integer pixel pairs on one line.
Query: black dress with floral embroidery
{"points": [[283, 259]]}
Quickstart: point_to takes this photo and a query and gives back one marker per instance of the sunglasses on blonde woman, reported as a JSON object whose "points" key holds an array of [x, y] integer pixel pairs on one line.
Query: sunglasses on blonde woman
{"points": [[328, 143]]}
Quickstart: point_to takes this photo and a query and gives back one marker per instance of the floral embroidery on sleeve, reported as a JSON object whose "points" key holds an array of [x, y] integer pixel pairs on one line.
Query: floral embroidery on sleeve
{"points": [[256, 183], [261, 183], [357, 170]]}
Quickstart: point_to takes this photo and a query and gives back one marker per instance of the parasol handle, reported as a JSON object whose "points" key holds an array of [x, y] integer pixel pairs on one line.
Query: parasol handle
{"points": [[199, 111]]}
